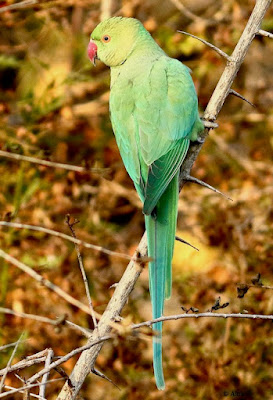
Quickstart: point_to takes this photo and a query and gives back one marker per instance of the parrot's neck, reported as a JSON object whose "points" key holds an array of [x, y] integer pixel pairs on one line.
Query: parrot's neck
{"points": [[140, 59]]}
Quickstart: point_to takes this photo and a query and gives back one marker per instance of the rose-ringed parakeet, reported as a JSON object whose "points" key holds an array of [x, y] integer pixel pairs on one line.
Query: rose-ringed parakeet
{"points": [[154, 114]]}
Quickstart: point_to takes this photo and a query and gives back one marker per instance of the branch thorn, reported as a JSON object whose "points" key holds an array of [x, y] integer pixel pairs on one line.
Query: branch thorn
{"points": [[190, 178], [185, 242], [234, 93]]}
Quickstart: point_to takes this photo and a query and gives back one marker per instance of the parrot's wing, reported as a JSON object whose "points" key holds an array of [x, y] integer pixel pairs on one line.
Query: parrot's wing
{"points": [[125, 127], [161, 172], [166, 111], [150, 123]]}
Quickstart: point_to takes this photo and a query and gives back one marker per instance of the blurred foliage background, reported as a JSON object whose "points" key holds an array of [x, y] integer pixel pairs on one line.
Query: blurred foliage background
{"points": [[54, 106]]}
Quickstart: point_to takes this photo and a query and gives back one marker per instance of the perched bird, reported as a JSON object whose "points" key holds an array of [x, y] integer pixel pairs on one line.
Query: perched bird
{"points": [[154, 114]]}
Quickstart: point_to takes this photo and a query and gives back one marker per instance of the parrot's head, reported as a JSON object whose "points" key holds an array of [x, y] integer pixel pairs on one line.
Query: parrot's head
{"points": [[114, 39]]}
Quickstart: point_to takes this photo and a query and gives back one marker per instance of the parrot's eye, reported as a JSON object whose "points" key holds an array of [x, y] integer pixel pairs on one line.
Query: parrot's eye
{"points": [[106, 38]]}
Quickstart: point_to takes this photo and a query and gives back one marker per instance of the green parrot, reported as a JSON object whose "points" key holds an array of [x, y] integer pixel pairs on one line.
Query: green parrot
{"points": [[154, 114]]}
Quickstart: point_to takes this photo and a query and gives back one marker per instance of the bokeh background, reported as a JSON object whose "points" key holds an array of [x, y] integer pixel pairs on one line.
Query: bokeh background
{"points": [[54, 106]]}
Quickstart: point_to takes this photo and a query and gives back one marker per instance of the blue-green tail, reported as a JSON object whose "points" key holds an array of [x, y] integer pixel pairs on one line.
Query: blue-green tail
{"points": [[161, 236]]}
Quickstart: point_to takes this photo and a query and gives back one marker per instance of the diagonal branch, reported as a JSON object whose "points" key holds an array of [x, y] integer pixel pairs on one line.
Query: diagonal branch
{"points": [[87, 359]]}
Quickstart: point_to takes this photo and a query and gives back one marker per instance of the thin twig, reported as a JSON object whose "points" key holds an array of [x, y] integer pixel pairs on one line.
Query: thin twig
{"points": [[48, 360], [6, 346], [34, 317], [265, 33], [219, 51], [64, 236], [28, 361], [189, 14], [86, 332], [67, 357], [55, 322], [84, 277], [101, 375], [26, 387], [36, 396], [185, 242], [2, 383], [201, 315], [56, 289], [52, 164], [190, 178], [17, 6], [234, 93], [45, 282]]}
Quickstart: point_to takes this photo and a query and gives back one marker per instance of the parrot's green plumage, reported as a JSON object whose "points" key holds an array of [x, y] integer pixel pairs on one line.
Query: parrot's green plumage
{"points": [[154, 113]]}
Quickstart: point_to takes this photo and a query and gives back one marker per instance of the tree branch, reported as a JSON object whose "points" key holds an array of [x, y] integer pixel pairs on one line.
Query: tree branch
{"points": [[52, 164], [201, 315]]}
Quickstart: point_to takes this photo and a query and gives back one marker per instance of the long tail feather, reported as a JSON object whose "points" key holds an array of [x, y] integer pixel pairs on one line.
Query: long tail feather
{"points": [[161, 237]]}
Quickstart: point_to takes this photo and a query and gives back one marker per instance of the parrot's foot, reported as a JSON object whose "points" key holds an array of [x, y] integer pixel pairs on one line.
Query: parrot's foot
{"points": [[199, 140], [154, 214]]}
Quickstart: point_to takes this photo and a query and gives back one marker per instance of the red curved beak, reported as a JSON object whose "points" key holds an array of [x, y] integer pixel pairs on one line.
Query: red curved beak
{"points": [[92, 52]]}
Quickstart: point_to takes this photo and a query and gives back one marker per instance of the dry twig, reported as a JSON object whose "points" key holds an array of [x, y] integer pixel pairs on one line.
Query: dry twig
{"points": [[16, 6], [84, 277], [201, 315], [48, 360], [55, 322], [27, 387], [45, 282], [52, 164], [212, 46], [2, 383]]}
